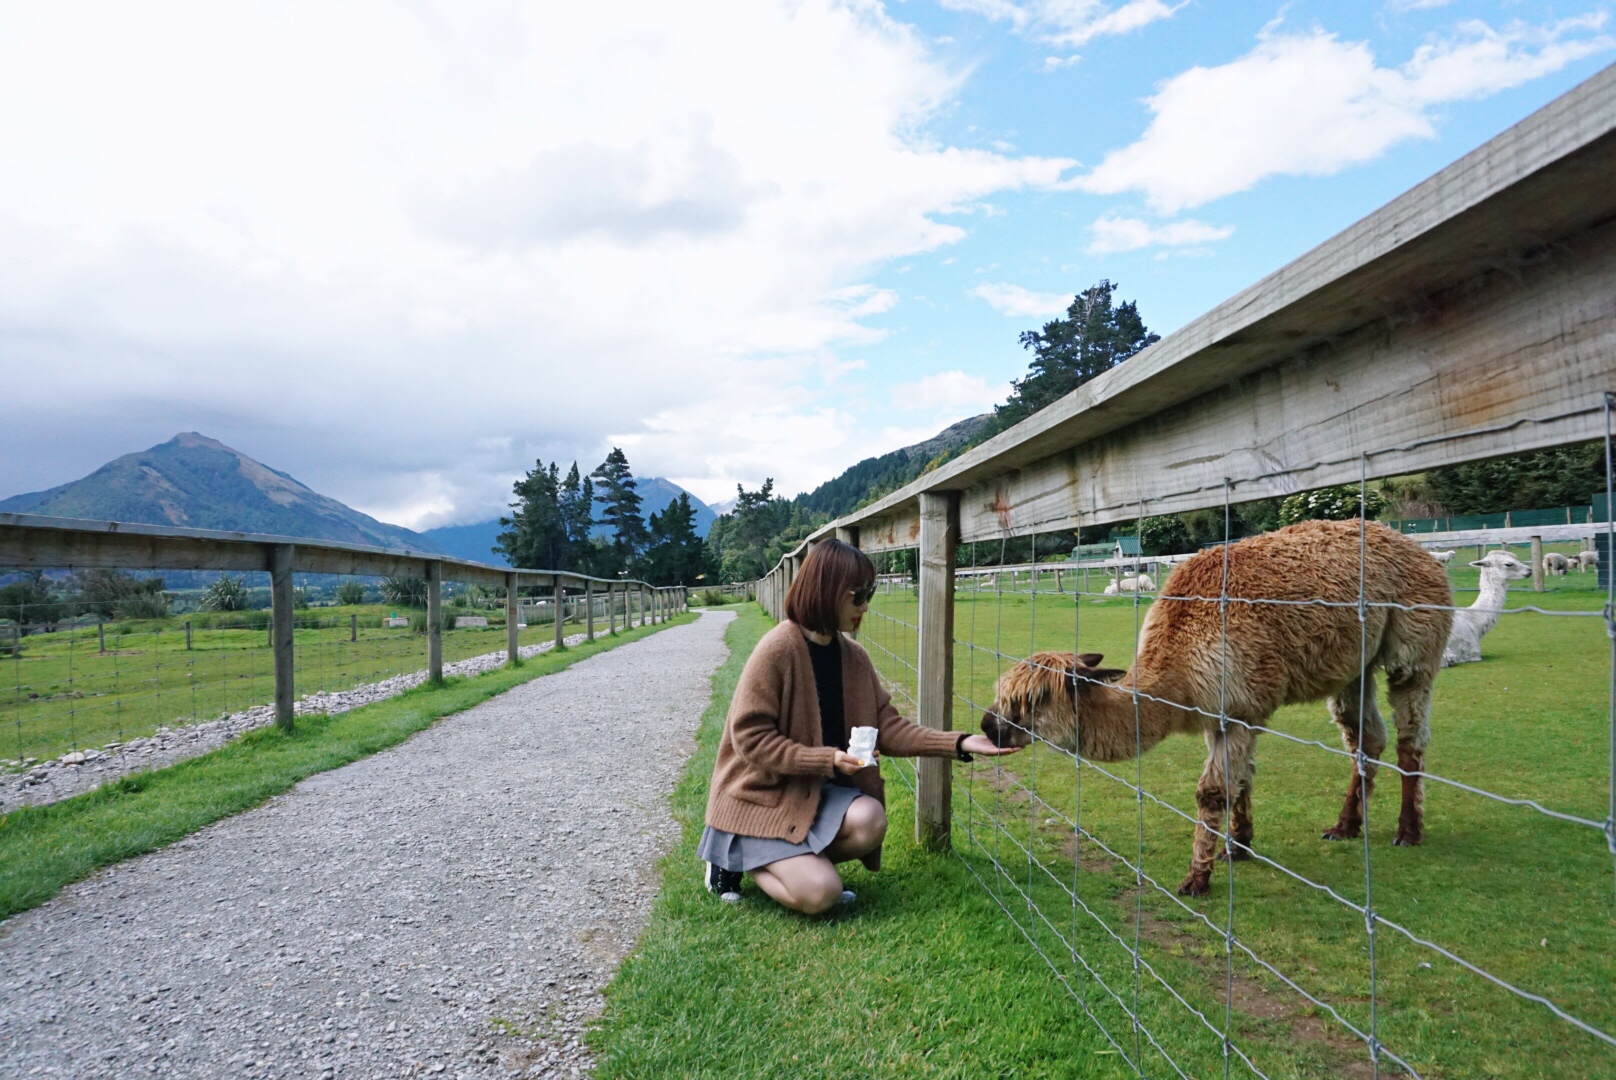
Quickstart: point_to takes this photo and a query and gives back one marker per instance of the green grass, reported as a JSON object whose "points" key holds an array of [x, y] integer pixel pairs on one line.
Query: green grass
{"points": [[1525, 897], [923, 977], [61, 693], [45, 848]]}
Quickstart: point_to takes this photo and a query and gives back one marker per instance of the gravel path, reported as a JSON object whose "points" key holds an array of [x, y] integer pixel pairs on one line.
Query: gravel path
{"points": [[36, 783], [449, 907]]}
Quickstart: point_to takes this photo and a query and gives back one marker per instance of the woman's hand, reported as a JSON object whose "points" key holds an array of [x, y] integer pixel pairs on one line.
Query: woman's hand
{"points": [[846, 763], [981, 744]]}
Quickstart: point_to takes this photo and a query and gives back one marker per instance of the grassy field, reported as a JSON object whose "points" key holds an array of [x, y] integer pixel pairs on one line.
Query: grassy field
{"points": [[45, 848], [922, 977], [61, 692], [1525, 897]]}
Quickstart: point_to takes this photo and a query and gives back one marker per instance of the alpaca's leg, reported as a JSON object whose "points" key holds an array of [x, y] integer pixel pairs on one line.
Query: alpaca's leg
{"points": [[1240, 824], [1344, 711], [1411, 708], [1210, 800]]}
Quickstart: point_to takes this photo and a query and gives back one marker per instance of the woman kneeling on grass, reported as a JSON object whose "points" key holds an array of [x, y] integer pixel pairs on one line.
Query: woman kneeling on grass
{"points": [[787, 802]]}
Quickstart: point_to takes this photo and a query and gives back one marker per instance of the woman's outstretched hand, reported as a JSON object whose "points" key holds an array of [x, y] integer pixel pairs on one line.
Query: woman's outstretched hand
{"points": [[847, 764], [981, 744]]}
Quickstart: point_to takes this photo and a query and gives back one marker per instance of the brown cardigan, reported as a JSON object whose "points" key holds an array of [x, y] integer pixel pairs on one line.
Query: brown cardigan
{"points": [[771, 760]]}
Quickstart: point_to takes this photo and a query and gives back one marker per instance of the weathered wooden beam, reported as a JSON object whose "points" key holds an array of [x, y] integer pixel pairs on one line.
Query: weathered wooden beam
{"points": [[939, 525], [513, 616], [560, 602], [282, 603], [589, 610], [434, 620]]}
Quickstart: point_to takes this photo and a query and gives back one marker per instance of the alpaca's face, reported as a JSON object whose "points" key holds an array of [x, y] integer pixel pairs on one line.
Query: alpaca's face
{"points": [[1504, 564]]}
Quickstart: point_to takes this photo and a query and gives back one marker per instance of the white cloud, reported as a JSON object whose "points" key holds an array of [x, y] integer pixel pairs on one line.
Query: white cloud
{"points": [[402, 250], [1014, 300], [1068, 22], [1113, 233], [1308, 104], [949, 390], [1417, 5]]}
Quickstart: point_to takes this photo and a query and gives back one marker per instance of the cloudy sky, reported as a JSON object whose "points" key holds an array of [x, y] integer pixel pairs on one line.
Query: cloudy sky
{"points": [[400, 250]]}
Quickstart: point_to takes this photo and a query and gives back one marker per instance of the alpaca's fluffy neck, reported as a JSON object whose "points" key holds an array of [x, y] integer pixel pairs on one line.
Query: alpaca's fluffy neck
{"points": [[1494, 590], [1108, 727]]}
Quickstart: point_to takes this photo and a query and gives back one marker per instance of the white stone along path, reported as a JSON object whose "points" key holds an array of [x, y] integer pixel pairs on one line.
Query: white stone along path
{"points": [[450, 907]]}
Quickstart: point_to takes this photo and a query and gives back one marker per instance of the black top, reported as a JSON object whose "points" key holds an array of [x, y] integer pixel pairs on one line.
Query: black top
{"points": [[827, 660]]}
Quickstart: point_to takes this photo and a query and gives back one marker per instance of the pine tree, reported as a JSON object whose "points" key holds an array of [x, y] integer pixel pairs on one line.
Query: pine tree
{"points": [[1094, 337], [622, 511], [676, 555], [536, 533]]}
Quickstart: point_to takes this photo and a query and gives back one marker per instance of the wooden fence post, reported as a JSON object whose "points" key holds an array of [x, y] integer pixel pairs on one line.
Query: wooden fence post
{"points": [[939, 530], [560, 613], [434, 621], [280, 631], [101, 633], [1537, 564], [187, 635], [589, 609], [353, 627], [513, 616], [611, 608]]}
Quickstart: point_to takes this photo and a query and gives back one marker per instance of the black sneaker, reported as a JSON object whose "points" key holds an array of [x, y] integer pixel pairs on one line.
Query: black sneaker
{"points": [[725, 884]]}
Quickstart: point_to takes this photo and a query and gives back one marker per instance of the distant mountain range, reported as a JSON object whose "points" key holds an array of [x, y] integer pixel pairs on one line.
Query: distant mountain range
{"points": [[477, 541], [195, 482]]}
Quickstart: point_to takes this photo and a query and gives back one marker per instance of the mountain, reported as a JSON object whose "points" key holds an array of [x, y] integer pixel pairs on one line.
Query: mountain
{"points": [[477, 541], [879, 475], [195, 482], [655, 495]]}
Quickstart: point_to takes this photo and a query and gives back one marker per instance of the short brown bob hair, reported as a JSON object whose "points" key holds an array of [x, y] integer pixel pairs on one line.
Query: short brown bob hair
{"points": [[832, 570]]}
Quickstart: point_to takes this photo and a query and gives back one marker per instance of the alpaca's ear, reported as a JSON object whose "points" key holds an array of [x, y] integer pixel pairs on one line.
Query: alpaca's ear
{"points": [[1090, 659], [1107, 674], [1481, 564]]}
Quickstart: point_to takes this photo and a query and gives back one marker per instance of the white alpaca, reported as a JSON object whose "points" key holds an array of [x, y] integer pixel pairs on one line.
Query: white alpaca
{"points": [[1556, 564], [1586, 559], [1471, 624], [1142, 583], [1443, 556]]}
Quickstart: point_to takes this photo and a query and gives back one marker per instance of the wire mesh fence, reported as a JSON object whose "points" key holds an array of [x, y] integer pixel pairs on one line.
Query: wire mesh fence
{"points": [[87, 682], [1460, 920]]}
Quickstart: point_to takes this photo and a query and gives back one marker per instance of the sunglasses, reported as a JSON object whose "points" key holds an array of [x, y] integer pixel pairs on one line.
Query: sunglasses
{"points": [[862, 596]]}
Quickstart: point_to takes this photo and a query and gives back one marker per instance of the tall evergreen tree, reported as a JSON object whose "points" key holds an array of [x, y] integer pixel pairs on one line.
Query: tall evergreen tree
{"points": [[1095, 336], [676, 555], [550, 526], [622, 510]]}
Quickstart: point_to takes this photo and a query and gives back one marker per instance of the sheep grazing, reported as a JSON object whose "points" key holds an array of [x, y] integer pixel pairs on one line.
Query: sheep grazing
{"points": [[1142, 583], [1586, 560], [1556, 564], [1473, 623], [1277, 655], [1443, 557]]}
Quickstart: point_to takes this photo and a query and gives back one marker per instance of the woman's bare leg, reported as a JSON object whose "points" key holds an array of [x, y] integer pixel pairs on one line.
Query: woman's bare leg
{"points": [[805, 883], [810, 883], [863, 830]]}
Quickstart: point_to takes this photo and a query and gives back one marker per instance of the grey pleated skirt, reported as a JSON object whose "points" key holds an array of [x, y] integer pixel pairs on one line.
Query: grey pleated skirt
{"points": [[732, 851]]}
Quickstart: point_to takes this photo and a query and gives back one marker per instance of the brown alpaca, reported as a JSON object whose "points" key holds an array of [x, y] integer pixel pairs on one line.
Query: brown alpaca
{"points": [[1277, 655]]}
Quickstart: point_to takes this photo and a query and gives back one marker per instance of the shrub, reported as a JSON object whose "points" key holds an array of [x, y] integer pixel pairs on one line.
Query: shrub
{"points": [[404, 591], [300, 598], [143, 605], [1330, 504], [350, 593], [226, 594]]}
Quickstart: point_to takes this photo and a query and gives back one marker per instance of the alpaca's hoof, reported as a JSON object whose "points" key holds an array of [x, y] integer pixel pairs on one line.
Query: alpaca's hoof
{"points": [[1340, 832], [1195, 885], [1409, 839]]}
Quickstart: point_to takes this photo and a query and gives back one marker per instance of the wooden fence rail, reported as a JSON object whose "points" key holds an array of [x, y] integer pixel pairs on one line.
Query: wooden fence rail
{"points": [[30, 542]]}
